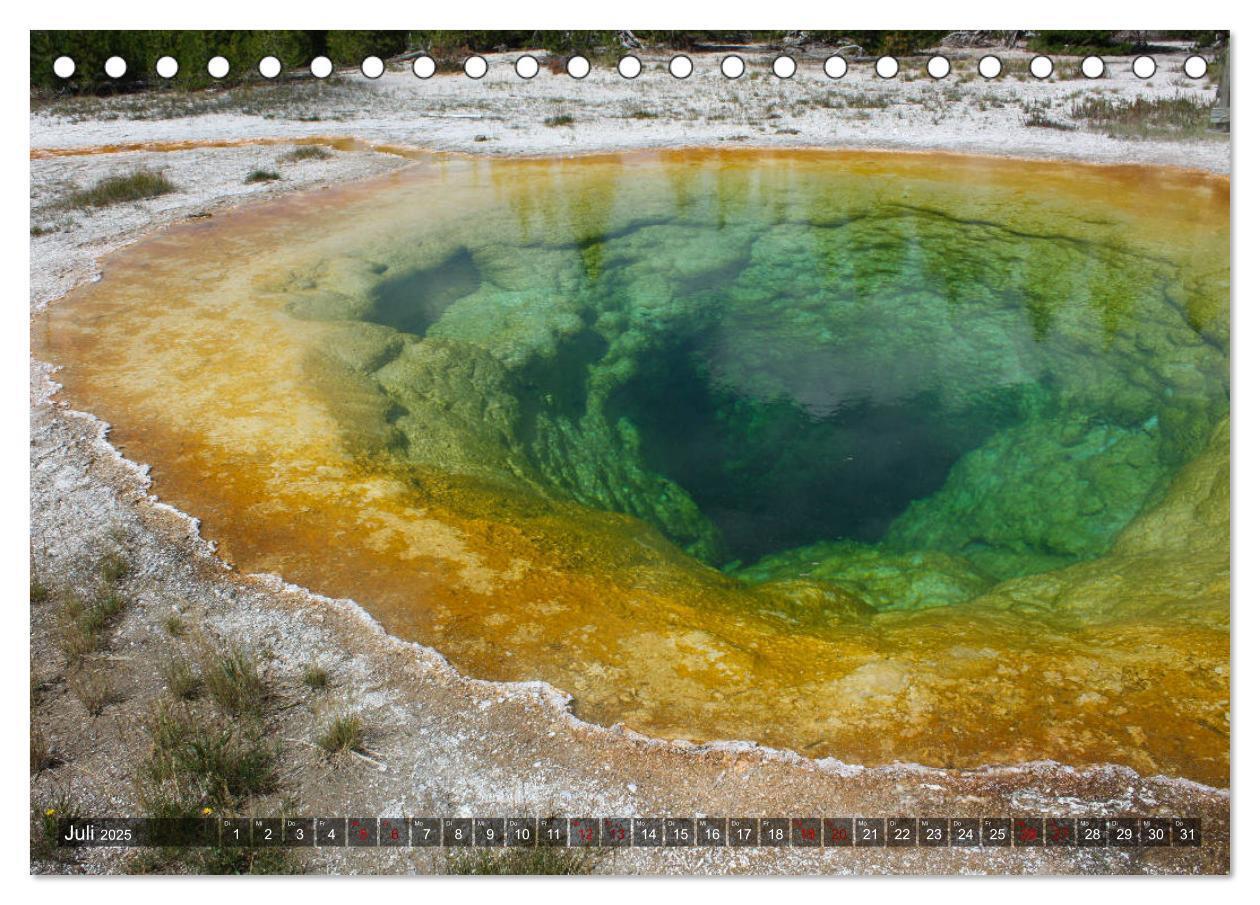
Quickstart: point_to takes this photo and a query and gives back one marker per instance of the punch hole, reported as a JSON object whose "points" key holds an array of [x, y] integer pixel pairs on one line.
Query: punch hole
{"points": [[1093, 67], [629, 66], [835, 67], [1143, 67], [578, 67], [527, 67], [423, 66], [938, 67], [783, 66], [1041, 67], [1195, 67], [218, 67], [115, 67], [887, 67], [372, 67], [990, 67], [321, 67], [732, 66], [63, 67], [269, 67], [680, 66], [167, 67]]}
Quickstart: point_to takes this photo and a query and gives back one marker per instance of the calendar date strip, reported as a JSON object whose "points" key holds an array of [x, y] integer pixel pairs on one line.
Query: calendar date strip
{"points": [[633, 832]]}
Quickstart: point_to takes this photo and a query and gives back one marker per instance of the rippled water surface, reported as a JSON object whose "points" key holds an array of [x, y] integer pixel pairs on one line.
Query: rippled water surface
{"points": [[888, 457]]}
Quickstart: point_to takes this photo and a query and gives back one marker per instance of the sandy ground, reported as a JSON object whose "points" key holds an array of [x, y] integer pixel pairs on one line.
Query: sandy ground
{"points": [[439, 743]]}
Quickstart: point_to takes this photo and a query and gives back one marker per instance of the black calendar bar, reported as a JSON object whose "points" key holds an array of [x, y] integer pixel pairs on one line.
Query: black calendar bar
{"points": [[636, 832]]}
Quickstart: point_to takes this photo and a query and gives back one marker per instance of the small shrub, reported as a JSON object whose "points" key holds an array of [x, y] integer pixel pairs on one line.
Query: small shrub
{"points": [[560, 119], [135, 186], [306, 152], [261, 176], [644, 114], [343, 734], [315, 677], [39, 590]]}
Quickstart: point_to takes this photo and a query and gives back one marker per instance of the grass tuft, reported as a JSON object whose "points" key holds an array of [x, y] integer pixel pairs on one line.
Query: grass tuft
{"points": [[342, 735], [261, 176], [232, 680], [43, 755], [1143, 118], [81, 627], [174, 625], [95, 690], [315, 677], [48, 812], [307, 152], [1039, 120], [135, 186], [113, 567], [195, 762], [560, 119], [182, 679]]}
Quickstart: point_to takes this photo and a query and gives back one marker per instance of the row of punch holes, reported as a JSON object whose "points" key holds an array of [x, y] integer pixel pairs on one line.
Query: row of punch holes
{"points": [[630, 67]]}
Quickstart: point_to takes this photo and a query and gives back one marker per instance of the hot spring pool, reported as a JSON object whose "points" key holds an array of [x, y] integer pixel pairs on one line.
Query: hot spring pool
{"points": [[886, 457]]}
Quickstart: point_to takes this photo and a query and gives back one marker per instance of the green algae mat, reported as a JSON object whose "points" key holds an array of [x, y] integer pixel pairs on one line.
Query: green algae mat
{"points": [[882, 457]]}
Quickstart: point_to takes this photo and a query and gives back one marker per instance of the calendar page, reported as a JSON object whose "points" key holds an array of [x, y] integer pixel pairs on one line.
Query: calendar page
{"points": [[630, 452]]}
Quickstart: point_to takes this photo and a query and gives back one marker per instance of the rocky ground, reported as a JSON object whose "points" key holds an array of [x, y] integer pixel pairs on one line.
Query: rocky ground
{"points": [[436, 742]]}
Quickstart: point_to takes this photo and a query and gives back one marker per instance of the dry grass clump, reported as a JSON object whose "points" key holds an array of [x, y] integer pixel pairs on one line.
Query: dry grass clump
{"points": [[261, 176]]}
